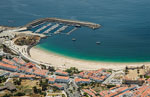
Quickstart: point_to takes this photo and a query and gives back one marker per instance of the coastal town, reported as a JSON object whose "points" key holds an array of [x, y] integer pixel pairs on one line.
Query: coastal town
{"points": [[21, 78], [20, 75]]}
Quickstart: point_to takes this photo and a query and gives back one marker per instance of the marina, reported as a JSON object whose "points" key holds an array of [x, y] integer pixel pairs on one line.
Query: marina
{"points": [[10, 36]]}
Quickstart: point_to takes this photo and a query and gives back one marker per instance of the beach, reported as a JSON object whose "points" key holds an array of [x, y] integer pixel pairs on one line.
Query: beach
{"points": [[63, 62]]}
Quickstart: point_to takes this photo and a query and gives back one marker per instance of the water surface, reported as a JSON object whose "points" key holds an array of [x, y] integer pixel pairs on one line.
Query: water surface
{"points": [[124, 35]]}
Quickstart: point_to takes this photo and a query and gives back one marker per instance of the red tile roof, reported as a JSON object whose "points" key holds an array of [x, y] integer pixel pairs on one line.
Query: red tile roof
{"points": [[38, 72], [8, 61], [27, 76], [61, 72], [80, 79], [8, 66], [22, 68], [62, 77], [18, 60], [88, 92], [51, 79], [57, 85]]}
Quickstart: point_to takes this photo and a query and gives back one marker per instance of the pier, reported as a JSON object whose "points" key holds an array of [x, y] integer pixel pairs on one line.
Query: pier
{"points": [[42, 28], [63, 21], [52, 28], [36, 25], [60, 29], [75, 28]]}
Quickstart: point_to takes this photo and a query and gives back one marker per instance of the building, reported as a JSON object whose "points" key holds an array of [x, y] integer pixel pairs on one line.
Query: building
{"points": [[8, 67], [8, 61], [61, 73], [19, 61], [51, 80], [82, 81], [62, 79], [27, 76], [58, 86], [89, 92], [135, 72], [98, 79], [95, 75], [134, 75]]}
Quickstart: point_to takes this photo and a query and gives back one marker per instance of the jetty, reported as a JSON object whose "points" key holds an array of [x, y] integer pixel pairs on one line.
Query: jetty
{"points": [[63, 21], [75, 28], [42, 28], [60, 29], [52, 28]]}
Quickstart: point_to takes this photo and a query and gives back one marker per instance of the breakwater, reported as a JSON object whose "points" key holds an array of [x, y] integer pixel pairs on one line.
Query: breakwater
{"points": [[64, 21]]}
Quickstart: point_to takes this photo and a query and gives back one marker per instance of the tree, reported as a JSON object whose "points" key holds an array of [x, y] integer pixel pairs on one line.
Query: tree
{"points": [[110, 86], [3, 79], [35, 90], [44, 84], [17, 81], [44, 87], [43, 93], [52, 69], [85, 94], [7, 95], [19, 94], [72, 70]]}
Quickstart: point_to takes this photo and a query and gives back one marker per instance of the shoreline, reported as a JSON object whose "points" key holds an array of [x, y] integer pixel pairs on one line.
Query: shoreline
{"points": [[58, 61]]}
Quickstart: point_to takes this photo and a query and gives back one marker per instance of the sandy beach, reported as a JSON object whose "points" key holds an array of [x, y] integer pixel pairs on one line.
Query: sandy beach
{"points": [[63, 62]]}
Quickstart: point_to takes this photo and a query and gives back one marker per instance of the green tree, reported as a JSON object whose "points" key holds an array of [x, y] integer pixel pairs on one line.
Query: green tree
{"points": [[72, 70], [17, 81], [19, 94], [7, 95], [35, 90]]}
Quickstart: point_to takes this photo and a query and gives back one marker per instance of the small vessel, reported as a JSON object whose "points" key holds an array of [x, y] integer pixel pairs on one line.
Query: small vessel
{"points": [[98, 42], [78, 26], [73, 39]]}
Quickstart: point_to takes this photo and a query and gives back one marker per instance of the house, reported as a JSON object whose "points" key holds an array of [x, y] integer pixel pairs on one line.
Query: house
{"points": [[51, 80], [90, 93], [61, 73], [62, 79], [28, 71], [97, 79], [95, 75], [19, 61], [30, 65], [58, 86], [22, 69], [82, 81], [15, 75], [8, 61], [38, 73], [8, 67], [27, 76]]}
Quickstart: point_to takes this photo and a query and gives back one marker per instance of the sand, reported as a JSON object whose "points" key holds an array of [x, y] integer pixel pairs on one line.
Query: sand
{"points": [[63, 62]]}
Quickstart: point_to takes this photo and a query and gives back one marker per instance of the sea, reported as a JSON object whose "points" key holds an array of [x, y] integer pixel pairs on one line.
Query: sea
{"points": [[124, 35]]}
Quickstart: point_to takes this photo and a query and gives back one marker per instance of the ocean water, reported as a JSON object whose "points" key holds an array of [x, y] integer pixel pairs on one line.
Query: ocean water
{"points": [[124, 35]]}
